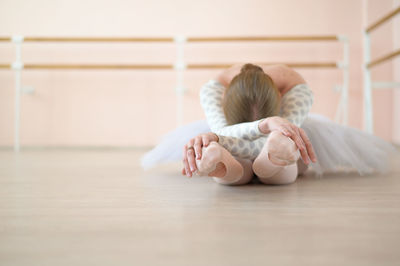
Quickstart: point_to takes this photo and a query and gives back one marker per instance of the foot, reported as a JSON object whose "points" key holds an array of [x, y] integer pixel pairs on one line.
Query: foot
{"points": [[281, 150], [277, 152], [216, 161], [211, 161]]}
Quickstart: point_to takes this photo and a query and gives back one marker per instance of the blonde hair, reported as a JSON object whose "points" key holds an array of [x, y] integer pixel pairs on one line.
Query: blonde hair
{"points": [[251, 95]]}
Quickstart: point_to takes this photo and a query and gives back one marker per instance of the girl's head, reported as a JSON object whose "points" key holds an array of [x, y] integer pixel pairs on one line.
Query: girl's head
{"points": [[251, 95]]}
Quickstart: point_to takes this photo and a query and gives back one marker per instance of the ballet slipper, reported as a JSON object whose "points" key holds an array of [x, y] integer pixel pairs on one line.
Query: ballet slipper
{"points": [[279, 151], [215, 154], [282, 150]]}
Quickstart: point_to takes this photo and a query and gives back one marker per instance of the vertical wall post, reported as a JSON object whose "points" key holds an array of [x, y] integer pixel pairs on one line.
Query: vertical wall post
{"points": [[180, 68], [17, 66], [346, 79], [396, 77], [368, 104], [344, 89]]}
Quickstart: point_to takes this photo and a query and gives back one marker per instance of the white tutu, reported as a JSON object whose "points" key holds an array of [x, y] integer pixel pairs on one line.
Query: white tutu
{"points": [[344, 149], [171, 146], [338, 148]]}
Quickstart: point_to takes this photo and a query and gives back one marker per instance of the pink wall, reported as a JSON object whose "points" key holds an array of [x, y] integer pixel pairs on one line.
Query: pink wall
{"points": [[135, 108]]}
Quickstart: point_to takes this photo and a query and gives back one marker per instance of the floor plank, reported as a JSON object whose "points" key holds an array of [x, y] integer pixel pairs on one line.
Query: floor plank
{"points": [[88, 207]]}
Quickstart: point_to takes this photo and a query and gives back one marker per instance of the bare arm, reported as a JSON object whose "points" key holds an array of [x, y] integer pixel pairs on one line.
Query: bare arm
{"points": [[284, 77], [226, 76]]}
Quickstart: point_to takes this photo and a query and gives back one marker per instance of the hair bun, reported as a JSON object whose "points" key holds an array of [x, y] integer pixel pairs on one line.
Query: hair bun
{"points": [[250, 67]]}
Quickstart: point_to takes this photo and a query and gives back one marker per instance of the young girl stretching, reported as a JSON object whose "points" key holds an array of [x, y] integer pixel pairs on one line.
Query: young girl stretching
{"points": [[260, 123], [270, 146]]}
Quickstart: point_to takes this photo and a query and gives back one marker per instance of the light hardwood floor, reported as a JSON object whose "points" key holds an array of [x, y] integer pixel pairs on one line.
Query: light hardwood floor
{"points": [[83, 207]]}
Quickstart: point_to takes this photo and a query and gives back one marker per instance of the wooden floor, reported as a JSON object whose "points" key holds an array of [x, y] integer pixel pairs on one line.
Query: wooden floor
{"points": [[83, 207]]}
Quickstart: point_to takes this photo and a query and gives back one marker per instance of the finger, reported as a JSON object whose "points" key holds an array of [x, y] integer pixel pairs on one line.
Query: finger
{"points": [[183, 171], [185, 147], [295, 136], [206, 141], [198, 143], [286, 131], [191, 160], [300, 144], [189, 144], [303, 150], [310, 149], [186, 167], [184, 150], [185, 162]]}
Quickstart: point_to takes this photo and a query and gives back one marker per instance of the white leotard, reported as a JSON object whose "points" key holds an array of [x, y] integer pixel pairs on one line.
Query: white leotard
{"points": [[245, 140]]}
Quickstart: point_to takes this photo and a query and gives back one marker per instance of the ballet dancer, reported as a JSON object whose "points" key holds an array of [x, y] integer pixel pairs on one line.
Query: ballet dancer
{"points": [[258, 122], [250, 136], [270, 146]]}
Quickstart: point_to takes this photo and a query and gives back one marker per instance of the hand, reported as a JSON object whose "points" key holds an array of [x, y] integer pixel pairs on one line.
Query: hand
{"points": [[194, 147], [298, 135]]}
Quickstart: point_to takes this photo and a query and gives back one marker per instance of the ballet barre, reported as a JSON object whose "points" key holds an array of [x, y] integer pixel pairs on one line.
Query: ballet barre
{"points": [[179, 66], [368, 64], [169, 39], [161, 66], [5, 66], [383, 58]]}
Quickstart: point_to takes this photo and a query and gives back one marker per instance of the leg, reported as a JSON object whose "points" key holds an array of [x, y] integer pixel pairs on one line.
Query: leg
{"points": [[217, 162], [276, 163]]}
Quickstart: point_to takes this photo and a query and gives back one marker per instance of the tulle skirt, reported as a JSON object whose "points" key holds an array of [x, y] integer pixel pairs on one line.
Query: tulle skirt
{"points": [[338, 148]]}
